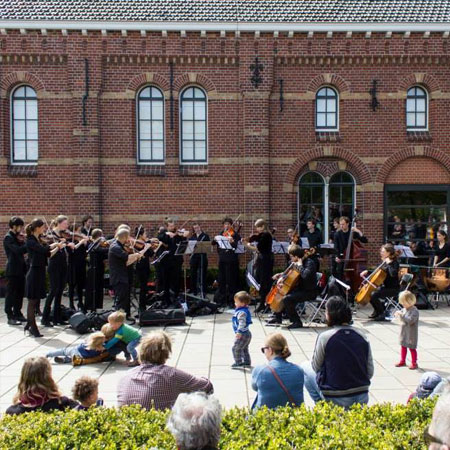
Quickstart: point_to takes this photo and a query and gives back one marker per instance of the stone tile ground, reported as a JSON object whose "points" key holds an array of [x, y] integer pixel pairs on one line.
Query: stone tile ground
{"points": [[203, 347]]}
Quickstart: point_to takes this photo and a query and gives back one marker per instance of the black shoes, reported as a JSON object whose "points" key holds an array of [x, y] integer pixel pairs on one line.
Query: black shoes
{"points": [[47, 323], [295, 325], [20, 317], [12, 321], [274, 321], [380, 318], [130, 320], [34, 331]]}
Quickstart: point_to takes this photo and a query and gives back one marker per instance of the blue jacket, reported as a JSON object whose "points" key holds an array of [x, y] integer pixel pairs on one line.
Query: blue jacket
{"points": [[241, 320], [270, 393]]}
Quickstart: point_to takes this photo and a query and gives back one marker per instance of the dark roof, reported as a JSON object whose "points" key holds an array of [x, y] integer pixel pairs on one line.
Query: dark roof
{"points": [[260, 11]]}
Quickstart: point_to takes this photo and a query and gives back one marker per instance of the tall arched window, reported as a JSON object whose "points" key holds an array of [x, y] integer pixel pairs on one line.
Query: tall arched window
{"points": [[193, 119], [150, 122], [24, 125], [417, 109], [311, 199], [341, 196], [327, 109]]}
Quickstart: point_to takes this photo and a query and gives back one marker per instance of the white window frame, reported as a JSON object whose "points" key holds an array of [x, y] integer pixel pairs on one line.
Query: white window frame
{"points": [[327, 129], [427, 109]]}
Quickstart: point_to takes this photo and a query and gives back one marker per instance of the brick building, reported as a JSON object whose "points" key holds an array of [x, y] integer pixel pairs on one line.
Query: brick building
{"points": [[134, 110]]}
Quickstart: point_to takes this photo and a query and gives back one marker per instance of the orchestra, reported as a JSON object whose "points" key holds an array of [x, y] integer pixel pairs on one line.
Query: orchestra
{"points": [[79, 257]]}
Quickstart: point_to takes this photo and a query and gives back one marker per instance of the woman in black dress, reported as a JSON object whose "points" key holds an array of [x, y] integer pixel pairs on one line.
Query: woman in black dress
{"points": [[442, 250], [35, 278]]}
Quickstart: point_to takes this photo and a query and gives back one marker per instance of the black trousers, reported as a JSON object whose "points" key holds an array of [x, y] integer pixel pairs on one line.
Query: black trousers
{"points": [[94, 289], [171, 277], [58, 277], [199, 268], [77, 282], [290, 302], [377, 295], [263, 275], [228, 280], [122, 297], [143, 289], [15, 289]]}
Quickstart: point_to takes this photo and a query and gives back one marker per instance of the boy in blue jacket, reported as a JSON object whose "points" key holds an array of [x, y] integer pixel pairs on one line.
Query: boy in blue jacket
{"points": [[241, 321]]}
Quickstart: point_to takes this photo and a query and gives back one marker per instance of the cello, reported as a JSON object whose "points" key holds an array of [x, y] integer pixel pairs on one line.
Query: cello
{"points": [[371, 284]]}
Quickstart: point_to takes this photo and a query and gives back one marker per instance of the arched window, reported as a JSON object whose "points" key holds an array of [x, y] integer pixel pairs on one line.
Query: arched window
{"points": [[327, 109], [150, 122], [193, 119], [24, 125], [311, 199], [341, 194], [417, 109]]}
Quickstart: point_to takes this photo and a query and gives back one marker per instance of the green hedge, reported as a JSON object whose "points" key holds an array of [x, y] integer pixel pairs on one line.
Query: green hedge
{"points": [[326, 426]]}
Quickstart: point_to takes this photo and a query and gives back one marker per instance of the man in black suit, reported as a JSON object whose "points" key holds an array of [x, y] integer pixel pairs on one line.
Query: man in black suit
{"points": [[16, 268]]}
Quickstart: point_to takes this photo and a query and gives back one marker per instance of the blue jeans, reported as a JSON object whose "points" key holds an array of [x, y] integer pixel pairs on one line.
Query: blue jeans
{"points": [[131, 348], [316, 394], [67, 352]]}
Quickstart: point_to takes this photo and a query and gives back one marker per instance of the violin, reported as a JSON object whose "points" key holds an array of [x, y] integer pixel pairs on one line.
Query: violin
{"points": [[66, 234], [235, 228], [140, 244]]}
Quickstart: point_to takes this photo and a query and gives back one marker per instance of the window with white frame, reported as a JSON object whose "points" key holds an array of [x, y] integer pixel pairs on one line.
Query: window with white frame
{"points": [[150, 123], [327, 109], [193, 120], [417, 109], [24, 126]]}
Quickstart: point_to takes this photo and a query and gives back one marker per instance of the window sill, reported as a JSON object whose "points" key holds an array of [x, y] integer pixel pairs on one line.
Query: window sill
{"points": [[418, 136], [194, 170], [328, 136], [151, 170], [25, 170]]}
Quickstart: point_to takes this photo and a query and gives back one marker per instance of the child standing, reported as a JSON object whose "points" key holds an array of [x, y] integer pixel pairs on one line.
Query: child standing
{"points": [[125, 333], [241, 321], [409, 318], [85, 391]]}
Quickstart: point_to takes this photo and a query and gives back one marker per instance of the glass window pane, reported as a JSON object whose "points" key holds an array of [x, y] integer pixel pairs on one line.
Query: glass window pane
{"points": [[158, 150], [331, 120], [334, 194], [331, 92], [188, 151], [200, 150], [145, 150], [19, 129], [200, 130], [32, 110], [321, 92], [156, 93], [32, 129], [30, 92], [19, 150], [188, 129], [321, 105], [410, 120], [144, 110], [347, 194], [410, 105], [321, 120], [20, 92], [145, 93], [200, 110], [158, 131], [332, 105], [157, 110], [188, 93], [305, 194], [421, 105], [144, 129], [199, 93], [420, 120], [188, 110], [32, 150], [19, 109]]}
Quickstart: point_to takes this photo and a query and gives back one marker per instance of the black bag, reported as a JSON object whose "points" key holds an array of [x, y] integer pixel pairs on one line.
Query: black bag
{"points": [[66, 313], [162, 317], [99, 319], [201, 308], [80, 323]]}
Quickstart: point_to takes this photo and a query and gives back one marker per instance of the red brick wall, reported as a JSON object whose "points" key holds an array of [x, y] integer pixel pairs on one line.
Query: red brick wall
{"points": [[256, 152]]}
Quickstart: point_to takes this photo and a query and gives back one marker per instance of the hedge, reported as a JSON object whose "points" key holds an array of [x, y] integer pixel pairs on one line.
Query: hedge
{"points": [[383, 426]]}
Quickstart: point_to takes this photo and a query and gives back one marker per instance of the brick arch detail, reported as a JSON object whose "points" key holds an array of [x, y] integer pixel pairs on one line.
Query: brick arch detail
{"points": [[412, 152], [12, 79], [424, 79], [362, 174], [148, 78], [194, 78], [328, 79]]}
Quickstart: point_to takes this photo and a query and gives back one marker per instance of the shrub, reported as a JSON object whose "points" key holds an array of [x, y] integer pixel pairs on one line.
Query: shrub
{"points": [[326, 426]]}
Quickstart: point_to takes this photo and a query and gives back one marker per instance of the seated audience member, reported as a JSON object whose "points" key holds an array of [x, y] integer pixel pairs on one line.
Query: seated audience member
{"points": [[85, 391], [342, 365], [125, 333], [437, 435], [37, 391], [428, 383], [195, 421], [279, 382], [90, 349], [153, 384]]}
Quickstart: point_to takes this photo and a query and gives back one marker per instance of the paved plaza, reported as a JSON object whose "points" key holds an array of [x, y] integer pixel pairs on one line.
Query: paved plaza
{"points": [[203, 347]]}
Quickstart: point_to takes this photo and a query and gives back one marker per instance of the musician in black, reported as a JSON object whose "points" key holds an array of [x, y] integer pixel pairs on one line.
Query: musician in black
{"points": [[119, 260], [198, 262], [143, 268], [314, 236], [171, 265], [263, 270], [87, 225], [341, 238], [228, 276], [441, 250], [97, 254], [15, 249], [391, 285], [305, 290]]}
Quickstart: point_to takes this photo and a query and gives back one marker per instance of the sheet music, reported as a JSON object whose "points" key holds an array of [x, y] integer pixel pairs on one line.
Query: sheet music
{"points": [[191, 247], [240, 248], [330, 245], [305, 242], [405, 251], [252, 282], [223, 242], [280, 247]]}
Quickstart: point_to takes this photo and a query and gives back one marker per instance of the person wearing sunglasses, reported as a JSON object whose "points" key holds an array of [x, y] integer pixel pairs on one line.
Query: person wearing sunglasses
{"points": [[437, 434]]}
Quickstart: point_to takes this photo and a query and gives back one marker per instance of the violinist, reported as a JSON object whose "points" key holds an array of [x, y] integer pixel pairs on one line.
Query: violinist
{"points": [[87, 223], [38, 252], [77, 267], [314, 237], [336, 227], [391, 285], [171, 265], [228, 276], [143, 268], [57, 271], [198, 262], [341, 238], [306, 289], [16, 269], [97, 254], [264, 261]]}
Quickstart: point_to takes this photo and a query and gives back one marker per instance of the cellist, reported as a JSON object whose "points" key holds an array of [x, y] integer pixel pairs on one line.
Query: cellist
{"points": [[391, 285], [306, 290]]}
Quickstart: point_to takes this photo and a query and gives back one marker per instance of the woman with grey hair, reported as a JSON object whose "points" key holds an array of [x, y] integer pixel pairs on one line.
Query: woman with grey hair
{"points": [[195, 421]]}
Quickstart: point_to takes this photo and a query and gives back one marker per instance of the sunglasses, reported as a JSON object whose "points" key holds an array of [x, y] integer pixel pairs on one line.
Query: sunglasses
{"points": [[430, 439], [263, 349]]}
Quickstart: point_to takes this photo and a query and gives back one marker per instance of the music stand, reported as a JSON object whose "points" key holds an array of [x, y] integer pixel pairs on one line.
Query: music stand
{"points": [[280, 248], [223, 243], [202, 248], [184, 248]]}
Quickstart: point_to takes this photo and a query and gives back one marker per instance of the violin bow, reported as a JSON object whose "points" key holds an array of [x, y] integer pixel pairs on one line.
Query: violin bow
{"points": [[73, 229], [48, 229], [137, 234]]}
